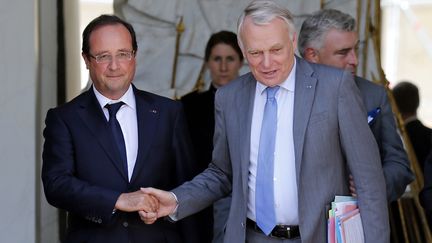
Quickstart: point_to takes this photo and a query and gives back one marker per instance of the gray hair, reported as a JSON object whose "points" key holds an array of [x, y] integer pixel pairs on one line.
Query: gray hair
{"points": [[318, 24], [263, 12]]}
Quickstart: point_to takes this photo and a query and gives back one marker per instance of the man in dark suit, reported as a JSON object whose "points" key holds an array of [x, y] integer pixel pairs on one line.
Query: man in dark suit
{"points": [[407, 99], [105, 144], [301, 125], [329, 37], [426, 193]]}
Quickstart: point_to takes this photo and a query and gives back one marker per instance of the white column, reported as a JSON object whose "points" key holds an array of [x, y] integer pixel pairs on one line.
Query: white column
{"points": [[47, 229], [73, 48], [18, 105]]}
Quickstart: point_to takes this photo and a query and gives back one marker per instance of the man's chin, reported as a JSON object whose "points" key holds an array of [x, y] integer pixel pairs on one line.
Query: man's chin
{"points": [[351, 70], [271, 82]]}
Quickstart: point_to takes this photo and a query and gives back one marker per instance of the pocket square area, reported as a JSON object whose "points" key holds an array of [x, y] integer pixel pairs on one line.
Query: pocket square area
{"points": [[373, 114]]}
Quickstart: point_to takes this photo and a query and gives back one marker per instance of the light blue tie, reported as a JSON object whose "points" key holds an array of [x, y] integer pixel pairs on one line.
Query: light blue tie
{"points": [[264, 191]]}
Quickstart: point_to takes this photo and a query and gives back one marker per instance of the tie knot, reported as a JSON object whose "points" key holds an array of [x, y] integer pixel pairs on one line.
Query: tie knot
{"points": [[113, 108], [271, 91]]}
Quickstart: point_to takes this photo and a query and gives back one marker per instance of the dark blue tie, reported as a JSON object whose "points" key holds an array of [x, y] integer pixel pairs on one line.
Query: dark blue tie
{"points": [[264, 189], [117, 132]]}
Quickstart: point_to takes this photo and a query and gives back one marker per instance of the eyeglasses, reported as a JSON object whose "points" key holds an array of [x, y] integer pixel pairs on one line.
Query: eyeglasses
{"points": [[122, 56]]}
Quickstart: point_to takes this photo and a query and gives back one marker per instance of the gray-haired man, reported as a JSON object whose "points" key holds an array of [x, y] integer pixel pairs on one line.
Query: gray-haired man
{"points": [[321, 131], [329, 37]]}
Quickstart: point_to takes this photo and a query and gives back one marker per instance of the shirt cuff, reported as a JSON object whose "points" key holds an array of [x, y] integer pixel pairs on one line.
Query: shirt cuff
{"points": [[173, 216]]}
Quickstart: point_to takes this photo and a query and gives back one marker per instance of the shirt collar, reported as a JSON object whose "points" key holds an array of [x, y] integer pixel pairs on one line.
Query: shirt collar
{"points": [[288, 84], [410, 119], [128, 98]]}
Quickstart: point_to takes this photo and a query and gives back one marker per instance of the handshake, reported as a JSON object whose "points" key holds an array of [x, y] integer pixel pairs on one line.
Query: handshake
{"points": [[150, 203]]}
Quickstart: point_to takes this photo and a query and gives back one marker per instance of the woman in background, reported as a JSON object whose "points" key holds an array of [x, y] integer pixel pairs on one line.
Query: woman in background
{"points": [[224, 59]]}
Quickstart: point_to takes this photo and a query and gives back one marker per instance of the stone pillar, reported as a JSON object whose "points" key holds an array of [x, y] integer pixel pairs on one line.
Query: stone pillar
{"points": [[47, 227], [73, 48], [18, 109]]}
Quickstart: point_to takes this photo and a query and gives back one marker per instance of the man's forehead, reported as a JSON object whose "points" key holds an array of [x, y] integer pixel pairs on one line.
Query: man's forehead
{"points": [[341, 33], [340, 37]]}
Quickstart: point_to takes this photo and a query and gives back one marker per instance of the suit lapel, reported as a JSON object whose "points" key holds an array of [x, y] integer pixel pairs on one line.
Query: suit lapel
{"points": [[245, 98], [92, 115], [147, 115], [305, 86]]}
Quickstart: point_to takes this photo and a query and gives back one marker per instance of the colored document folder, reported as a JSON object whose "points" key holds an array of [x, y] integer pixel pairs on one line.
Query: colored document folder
{"points": [[344, 222], [351, 227]]}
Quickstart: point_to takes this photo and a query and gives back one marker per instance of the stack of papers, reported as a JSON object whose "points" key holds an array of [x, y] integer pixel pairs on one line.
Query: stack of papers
{"points": [[344, 223]]}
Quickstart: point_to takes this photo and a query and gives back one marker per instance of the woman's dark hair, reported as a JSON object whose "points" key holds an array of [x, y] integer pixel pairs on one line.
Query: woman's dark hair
{"points": [[225, 37], [104, 20]]}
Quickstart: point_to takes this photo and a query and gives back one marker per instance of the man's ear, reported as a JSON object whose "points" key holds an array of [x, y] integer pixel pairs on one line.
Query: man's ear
{"points": [[86, 60], [311, 55]]}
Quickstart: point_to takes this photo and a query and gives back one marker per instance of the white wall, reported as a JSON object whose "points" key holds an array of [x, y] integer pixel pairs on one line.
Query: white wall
{"points": [[47, 229], [28, 73], [407, 48], [18, 70]]}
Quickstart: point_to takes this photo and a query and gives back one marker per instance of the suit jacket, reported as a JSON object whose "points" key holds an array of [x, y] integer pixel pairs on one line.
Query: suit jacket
{"points": [[331, 135], [421, 139], [394, 160], [81, 173], [199, 110], [426, 193]]}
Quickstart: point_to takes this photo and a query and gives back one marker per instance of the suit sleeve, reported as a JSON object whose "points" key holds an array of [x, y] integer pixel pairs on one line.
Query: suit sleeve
{"points": [[426, 193], [62, 188], [363, 160], [395, 162]]}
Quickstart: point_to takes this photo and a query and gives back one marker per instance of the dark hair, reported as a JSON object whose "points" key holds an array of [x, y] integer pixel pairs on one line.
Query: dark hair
{"points": [[407, 97], [226, 37], [105, 20]]}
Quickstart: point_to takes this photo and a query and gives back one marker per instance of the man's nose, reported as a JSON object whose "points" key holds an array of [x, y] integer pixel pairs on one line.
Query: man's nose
{"points": [[352, 58], [113, 64], [266, 62]]}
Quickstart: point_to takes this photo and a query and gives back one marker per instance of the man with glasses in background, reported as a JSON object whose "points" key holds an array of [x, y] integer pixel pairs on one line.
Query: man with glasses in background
{"points": [[105, 144]]}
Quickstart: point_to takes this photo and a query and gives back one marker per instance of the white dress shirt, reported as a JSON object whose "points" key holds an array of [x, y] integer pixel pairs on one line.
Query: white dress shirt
{"points": [[127, 117], [285, 184]]}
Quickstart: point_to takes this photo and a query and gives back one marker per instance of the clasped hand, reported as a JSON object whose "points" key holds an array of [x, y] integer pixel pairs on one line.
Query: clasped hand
{"points": [[150, 203], [141, 202], [167, 205]]}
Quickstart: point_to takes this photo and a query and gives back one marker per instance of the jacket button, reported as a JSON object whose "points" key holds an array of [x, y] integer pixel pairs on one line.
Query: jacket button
{"points": [[125, 224], [243, 224]]}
